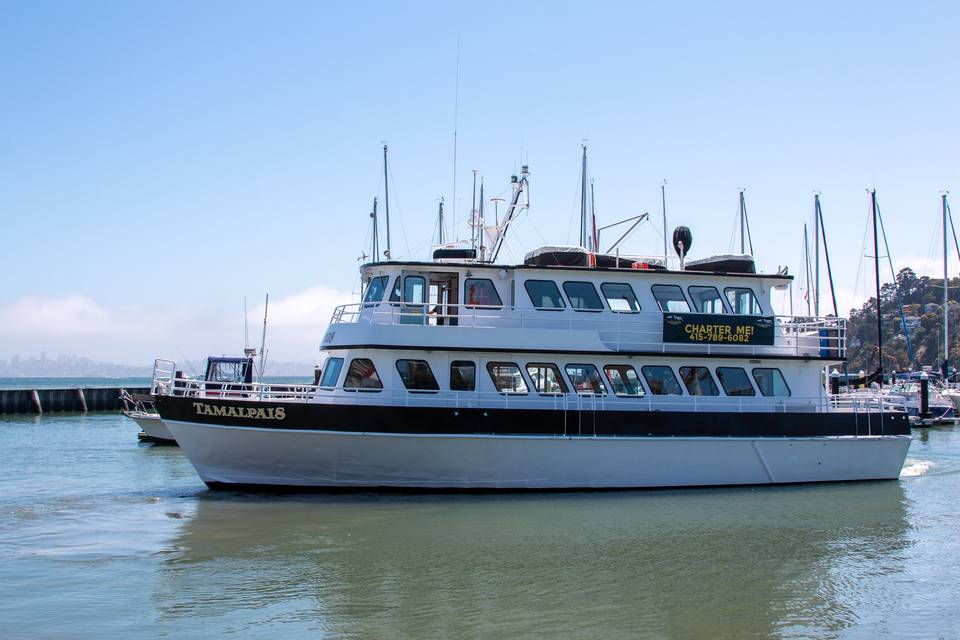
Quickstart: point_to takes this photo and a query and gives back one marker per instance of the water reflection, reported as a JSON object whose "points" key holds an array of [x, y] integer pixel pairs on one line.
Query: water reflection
{"points": [[667, 564]]}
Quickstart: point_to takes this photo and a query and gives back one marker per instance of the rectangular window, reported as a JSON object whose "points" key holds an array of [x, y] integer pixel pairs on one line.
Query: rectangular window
{"points": [[735, 382], [416, 375], [480, 292], [414, 289], [698, 381], [506, 377], [331, 372], [362, 376], [463, 375], [742, 301], [706, 299], [624, 380], [544, 294], [620, 297], [771, 382], [546, 378], [375, 290], [661, 381], [585, 379], [670, 298], [583, 296]]}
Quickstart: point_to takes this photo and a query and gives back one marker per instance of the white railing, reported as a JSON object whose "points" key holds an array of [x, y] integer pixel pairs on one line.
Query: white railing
{"points": [[163, 375], [581, 402], [619, 331]]}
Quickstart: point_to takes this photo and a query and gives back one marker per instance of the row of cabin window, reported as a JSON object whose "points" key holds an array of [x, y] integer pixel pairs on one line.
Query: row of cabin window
{"points": [[545, 295], [547, 379]]}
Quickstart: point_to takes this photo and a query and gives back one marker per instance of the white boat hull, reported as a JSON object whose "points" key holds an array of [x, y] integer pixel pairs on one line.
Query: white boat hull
{"points": [[224, 455], [153, 427]]}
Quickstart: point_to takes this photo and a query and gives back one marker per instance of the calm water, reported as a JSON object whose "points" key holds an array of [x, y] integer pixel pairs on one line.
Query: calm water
{"points": [[102, 537]]}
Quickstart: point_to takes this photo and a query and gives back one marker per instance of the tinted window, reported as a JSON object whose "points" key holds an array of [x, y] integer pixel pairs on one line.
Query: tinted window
{"points": [[583, 296], [479, 292], [742, 301], [397, 287], [544, 294], [416, 375], [670, 298], [362, 375], [331, 372], [506, 377], [620, 297], [698, 381], [463, 375], [624, 380], [585, 378], [771, 382], [375, 289], [661, 381], [414, 289], [546, 378], [735, 382], [706, 299]]}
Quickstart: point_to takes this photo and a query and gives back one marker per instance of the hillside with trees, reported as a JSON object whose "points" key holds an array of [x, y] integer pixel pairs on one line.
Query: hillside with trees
{"points": [[922, 300]]}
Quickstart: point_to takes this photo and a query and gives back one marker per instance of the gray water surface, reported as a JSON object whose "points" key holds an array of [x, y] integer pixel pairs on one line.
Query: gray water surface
{"points": [[103, 537]]}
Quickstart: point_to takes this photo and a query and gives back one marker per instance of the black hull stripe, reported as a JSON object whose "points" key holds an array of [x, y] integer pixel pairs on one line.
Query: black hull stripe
{"points": [[575, 352], [527, 422]]}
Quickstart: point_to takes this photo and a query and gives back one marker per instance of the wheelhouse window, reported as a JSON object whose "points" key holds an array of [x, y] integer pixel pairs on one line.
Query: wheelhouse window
{"points": [[417, 375], [661, 381], [698, 381], [375, 290], [735, 381], [706, 299], [506, 377], [331, 372], [771, 382], [546, 378], [463, 375], [582, 296], [585, 379], [742, 301], [414, 289], [620, 297], [544, 294], [362, 376], [480, 292], [670, 298], [624, 380]]}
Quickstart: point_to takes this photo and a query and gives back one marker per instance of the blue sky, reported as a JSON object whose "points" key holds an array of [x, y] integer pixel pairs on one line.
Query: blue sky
{"points": [[159, 161]]}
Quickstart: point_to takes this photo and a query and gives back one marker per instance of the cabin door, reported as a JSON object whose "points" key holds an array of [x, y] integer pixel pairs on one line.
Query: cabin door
{"points": [[443, 298]]}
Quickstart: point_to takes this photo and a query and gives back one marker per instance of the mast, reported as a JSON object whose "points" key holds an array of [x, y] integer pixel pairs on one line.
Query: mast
{"points": [[480, 231], [440, 223], [583, 199], [946, 299], [375, 235], [876, 272], [742, 211], [816, 255], [473, 214], [826, 253], [745, 238], [663, 208], [806, 260], [386, 201], [263, 338], [594, 240]]}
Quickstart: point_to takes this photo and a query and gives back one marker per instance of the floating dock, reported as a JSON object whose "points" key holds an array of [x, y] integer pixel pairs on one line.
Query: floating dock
{"points": [[39, 401]]}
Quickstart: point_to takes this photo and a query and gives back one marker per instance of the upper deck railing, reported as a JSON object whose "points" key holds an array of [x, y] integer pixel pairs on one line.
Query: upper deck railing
{"points": [[641, 331]]}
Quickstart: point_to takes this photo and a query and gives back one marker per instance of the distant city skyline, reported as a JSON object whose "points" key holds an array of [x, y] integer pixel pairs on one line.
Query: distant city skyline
{"points": [[160, 162]]}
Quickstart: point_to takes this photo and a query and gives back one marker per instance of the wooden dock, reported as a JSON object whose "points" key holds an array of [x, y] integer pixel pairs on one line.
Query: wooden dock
{"points": [[39, 401]]}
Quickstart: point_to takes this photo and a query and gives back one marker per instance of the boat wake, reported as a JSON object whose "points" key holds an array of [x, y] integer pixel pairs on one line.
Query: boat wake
{"points": [[913, 468]]}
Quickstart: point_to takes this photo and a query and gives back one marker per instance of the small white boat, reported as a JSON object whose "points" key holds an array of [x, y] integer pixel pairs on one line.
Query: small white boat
{"points": [[140, 409]]}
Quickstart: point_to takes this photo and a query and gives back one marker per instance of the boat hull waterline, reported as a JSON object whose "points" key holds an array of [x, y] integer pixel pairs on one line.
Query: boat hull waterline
{"points": [[230, 455], [153, 429]]}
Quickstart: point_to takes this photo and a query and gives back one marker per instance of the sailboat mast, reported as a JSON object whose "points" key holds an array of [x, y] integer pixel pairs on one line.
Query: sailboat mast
{"points": [[594, 236], [480, 232], [386, 201], [742, 229], [946, 299], [583, 199], [876, 273], [806, 260], [816, 255], [440, 223]]}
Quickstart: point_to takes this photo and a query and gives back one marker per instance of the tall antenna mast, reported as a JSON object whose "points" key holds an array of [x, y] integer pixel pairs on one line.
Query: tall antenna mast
{"points": [[480, 231], [594, 244], [806, 256], [745, 238], [386, 201], [263, 339], [473, 214], [663, 206], [583, 199], [440, 223], [816, 255], [375, 234]]}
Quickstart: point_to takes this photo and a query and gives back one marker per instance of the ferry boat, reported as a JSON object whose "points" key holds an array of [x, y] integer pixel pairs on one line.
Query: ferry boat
{"points": [[462, 374]]}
